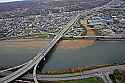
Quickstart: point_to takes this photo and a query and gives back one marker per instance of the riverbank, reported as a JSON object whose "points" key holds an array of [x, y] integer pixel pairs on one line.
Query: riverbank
{"points": [[38, 43], [74, 44], [24, 43], [73, 70]]}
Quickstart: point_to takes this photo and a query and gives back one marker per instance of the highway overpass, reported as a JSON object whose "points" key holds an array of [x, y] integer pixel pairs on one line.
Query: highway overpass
{"points": [[41, 55]]}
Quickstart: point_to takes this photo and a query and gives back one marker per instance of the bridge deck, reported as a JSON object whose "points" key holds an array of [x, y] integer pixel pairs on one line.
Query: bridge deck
{"points": [[39, 56]]}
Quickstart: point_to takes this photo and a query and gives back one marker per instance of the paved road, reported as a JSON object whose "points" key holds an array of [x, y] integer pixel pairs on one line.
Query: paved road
{"points": [[100, 72]]}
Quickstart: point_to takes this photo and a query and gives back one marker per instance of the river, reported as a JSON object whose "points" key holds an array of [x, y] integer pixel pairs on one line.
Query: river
{"points": [[101, 52]]}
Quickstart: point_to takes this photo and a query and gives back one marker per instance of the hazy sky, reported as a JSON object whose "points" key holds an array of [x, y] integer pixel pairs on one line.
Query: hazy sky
{"points": [[1, 1]]}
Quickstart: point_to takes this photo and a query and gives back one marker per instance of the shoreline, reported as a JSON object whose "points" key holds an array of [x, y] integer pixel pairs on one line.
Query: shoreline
{"points": [[38, 43], [29, 43], [75, 44], [73, 69], [86, 74], [81, 69]]}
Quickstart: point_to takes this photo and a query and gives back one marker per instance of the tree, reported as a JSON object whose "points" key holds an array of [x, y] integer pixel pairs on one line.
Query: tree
{"points": [[118, 75]]}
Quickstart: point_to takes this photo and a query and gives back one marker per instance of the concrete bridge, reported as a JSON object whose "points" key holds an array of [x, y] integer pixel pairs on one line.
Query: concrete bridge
{"points": [[41, 55]]}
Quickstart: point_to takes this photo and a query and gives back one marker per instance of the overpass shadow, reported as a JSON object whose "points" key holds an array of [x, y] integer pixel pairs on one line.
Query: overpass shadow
{"points": [[47, 58]]}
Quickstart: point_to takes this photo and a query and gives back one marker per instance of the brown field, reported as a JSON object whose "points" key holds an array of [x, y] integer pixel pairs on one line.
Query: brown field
{"points": [[88, 28], [28, 43], [70, 44], [37, 43]]}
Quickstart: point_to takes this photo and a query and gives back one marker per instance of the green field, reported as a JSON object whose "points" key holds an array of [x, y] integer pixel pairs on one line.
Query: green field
{"points": [[44, 35]]}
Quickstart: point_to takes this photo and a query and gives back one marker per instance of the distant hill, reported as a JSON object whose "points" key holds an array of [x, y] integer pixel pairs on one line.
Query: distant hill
{"points": [[29, 3], [9, 6], [36, 7]]}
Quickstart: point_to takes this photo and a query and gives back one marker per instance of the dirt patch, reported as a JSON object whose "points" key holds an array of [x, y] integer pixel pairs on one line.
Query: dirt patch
{"points": [[70, 44], [88, 28], [23, 43], [67, 44]]}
